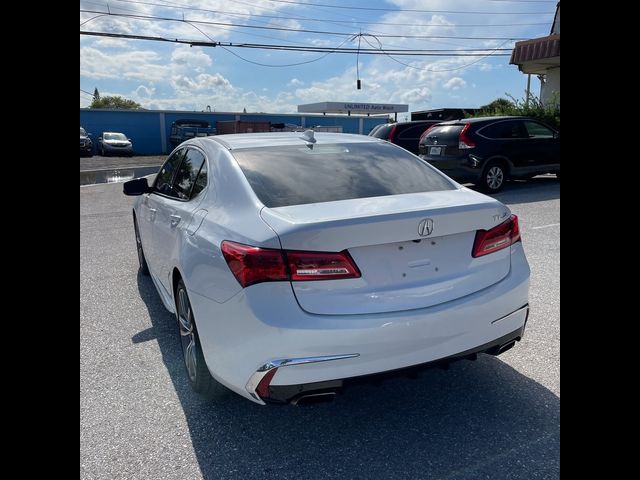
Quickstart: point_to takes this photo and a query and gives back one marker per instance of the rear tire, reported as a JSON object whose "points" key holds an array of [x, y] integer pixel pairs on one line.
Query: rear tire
{"points": [[142, 261], [198, 373], [493, 177]]}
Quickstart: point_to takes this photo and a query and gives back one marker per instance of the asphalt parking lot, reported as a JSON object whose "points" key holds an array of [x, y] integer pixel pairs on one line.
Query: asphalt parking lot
{"points": [[495, 418]]}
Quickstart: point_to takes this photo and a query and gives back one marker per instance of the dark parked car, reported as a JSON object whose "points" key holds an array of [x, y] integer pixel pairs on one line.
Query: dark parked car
{"points": [[86, 145], [488, 151], [403, 134], [184, 129]]}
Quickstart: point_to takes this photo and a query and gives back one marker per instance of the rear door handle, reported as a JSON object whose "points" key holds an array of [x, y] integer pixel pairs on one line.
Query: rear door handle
{"points": [[152, 214], [175, 220]]}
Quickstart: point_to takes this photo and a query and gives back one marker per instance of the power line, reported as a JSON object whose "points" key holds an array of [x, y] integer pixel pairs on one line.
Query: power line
{"points": [[324, 20], [188, 7], [319, 32], [280, 65], [399, 10], [203, 22], [492, 53], [294, 48]]}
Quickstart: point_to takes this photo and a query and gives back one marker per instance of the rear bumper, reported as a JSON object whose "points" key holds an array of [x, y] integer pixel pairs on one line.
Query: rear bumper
{"points": [[263, 323], [459, 168], [290, 393]]}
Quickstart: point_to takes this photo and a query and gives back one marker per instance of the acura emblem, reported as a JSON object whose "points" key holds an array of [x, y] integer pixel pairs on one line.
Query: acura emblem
{"points": [[425, 227]]}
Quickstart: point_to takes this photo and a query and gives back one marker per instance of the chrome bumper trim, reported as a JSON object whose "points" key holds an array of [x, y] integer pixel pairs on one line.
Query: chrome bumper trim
{"points": [[253, 382]]}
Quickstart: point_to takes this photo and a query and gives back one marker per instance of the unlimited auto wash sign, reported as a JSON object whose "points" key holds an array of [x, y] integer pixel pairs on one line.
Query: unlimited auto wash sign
{"points": [[346, 107], [373, 107]]}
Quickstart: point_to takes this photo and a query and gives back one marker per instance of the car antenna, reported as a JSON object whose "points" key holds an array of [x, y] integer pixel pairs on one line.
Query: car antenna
{"points": [[308, 137]]}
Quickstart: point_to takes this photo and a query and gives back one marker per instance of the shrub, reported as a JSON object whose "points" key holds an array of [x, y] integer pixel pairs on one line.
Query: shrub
{"points": [[549, 114]]}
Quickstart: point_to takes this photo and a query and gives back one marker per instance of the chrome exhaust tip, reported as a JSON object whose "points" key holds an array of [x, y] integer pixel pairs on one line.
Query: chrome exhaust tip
{"points": [[311, 398], [505, 347]]}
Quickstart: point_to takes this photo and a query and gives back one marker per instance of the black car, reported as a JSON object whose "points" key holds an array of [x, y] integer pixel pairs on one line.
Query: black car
{"points": [[488, 151], [403, 134], [86, 145]]}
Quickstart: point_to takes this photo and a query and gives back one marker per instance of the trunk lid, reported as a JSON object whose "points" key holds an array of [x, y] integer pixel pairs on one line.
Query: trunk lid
{"points": [[441, 142], [401, 269]]}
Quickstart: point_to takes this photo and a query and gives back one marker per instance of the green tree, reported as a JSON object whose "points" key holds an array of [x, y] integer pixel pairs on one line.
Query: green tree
{"points": [[115, 102], [499, 104], [534, 108]]}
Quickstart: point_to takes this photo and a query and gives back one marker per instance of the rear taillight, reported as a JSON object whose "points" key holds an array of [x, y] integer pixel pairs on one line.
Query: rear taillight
{"points": [[392, 133], [321, 266], [252, 265], [499, 237], [463, 141]]}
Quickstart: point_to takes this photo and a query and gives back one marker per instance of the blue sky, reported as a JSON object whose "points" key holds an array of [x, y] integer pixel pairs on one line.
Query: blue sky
{"points": [[161, 75]]}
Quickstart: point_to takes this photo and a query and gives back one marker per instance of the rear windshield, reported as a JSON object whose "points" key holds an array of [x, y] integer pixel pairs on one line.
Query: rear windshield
{"points": [[297, 174], [443, 133], [382, 132]]}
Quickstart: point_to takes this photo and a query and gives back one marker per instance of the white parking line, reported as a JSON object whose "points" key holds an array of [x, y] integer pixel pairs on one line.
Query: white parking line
{"points": [[545, 226]]}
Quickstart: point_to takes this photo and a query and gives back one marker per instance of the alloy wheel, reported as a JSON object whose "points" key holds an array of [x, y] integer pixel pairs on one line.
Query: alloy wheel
{"points": [[139, 245], [187, 334], [494, 177]]}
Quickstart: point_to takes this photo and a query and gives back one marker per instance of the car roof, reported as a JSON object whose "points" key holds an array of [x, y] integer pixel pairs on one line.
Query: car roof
{"points": [[413, 122], [235, 141], [484, 119]]}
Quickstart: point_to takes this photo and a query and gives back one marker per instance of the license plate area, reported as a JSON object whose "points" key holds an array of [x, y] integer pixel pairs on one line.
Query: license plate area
{"points": [[435, 151]]}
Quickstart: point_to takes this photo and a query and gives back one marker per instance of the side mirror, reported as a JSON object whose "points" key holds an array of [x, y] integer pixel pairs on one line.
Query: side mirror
{"points": [[137, 186]]}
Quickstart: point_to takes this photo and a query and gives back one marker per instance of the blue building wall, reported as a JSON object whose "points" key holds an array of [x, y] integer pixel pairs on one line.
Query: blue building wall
{"points": [[149, 130], [143, 128]]}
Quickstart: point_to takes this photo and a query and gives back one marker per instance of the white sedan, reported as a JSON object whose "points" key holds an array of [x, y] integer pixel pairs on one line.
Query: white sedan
{"points": [[297, 263]]}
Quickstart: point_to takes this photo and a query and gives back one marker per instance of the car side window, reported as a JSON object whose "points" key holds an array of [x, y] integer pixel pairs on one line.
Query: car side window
{"points": [[536, 130], [164, 178], [187, 174], [506, 129], [412, 133], [201, 181]]}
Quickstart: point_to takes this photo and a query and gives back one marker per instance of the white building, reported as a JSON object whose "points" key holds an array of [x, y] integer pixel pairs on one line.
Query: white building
{"points": [[541, 57]]}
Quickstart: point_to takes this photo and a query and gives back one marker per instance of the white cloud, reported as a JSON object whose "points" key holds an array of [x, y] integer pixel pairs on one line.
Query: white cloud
{"points": [[131, 65], [107, 42], [416, 95], [144, 91], [190, 57], [294, 82], [202, 82], [455, 83]]}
